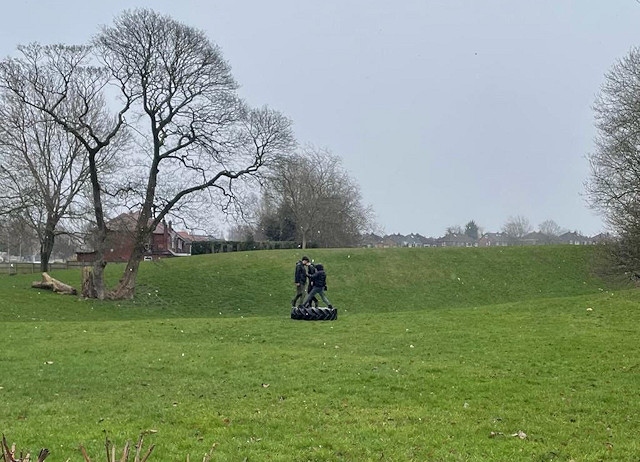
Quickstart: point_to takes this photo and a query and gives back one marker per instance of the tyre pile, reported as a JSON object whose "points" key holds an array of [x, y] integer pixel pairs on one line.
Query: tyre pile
{"points": [[314, 314]]}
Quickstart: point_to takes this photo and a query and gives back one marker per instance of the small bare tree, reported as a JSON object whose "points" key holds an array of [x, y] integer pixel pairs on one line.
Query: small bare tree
{"points": [[516, 227], [322, 199], [550, 228]]}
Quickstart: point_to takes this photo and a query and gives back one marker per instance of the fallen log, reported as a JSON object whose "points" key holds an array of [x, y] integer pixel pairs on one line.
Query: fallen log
{"points": [[49, 283]]}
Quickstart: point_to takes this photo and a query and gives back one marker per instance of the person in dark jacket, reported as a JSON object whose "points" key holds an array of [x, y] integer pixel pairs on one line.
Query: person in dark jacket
{"points": [[311, 270], [300, 280], [319, 279]]}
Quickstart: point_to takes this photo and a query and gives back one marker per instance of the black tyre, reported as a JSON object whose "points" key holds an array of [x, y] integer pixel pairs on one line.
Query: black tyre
{"points": [[314, 314]]}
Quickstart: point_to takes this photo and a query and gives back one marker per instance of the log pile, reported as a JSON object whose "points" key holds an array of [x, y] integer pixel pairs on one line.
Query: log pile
{"points": [[49, 283]]}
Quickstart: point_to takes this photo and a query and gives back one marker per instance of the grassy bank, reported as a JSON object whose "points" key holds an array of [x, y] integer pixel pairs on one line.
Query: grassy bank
{"points": [[438, 354]]}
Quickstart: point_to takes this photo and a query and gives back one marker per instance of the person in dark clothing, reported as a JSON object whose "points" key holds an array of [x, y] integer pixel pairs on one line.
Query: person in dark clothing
{"points": [[300, 280], [319, 279], [311, 270]]}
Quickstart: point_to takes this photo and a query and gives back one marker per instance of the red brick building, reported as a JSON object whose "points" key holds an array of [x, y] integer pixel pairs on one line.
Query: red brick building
{"points": [[164, 242]]}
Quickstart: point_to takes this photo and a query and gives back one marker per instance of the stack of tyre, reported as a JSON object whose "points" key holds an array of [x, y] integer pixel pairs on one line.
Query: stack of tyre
{"points": [[314, 314]]}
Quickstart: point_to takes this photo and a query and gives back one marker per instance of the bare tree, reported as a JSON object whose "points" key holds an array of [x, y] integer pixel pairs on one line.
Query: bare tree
{"points": [[614, 185], [321, 199], [42, 170], [516, 227], [16, 237], [550, 228], [63, 83], [613, 188], [195, 135]]}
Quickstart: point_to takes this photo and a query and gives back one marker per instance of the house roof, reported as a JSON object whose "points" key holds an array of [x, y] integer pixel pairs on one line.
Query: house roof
{"points": [[454, 237]]}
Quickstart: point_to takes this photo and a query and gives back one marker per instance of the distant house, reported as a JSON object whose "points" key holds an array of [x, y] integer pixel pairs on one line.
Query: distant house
{"points": [[457, 240], [372, 240], [164, 241], [574, 238], [603, 238], [399, 240], [538, 238], [494, 240], [393, 240], [415, 240]]}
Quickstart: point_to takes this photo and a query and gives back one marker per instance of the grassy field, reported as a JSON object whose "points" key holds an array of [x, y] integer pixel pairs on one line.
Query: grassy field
{"points": [[437, 354]]}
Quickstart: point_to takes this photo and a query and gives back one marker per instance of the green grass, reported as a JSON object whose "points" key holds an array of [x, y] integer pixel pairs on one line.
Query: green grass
{"points": [[438, 354]]}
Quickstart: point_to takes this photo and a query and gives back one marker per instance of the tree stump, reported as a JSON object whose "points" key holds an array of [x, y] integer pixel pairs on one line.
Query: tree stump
{"points": [[88, 283], [49, 283]]}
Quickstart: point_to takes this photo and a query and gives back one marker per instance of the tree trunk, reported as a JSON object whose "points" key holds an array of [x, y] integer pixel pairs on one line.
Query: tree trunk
{"points": [[46, 247], [93, 281], [95, 288], [126, 288]]}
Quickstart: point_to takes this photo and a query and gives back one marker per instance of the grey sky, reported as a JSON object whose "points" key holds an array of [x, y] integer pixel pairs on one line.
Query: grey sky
{"points": [[443, 111]]}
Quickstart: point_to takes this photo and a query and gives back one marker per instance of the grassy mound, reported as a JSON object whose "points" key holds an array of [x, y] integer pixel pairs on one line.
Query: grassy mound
{"points": [[360, 281], [438, 354]]}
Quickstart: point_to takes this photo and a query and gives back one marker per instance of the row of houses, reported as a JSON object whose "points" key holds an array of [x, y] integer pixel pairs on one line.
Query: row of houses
{"points": [[486, 240]]}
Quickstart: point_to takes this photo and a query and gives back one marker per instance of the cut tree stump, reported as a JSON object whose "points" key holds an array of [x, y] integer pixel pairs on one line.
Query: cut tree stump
{"points": [[88, 284], [49, 283]]}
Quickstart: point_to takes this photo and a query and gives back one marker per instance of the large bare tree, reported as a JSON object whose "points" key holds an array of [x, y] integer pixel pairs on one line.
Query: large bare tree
{"points": [[63, 85], [195, 135], [43, 169], [614, 185]]}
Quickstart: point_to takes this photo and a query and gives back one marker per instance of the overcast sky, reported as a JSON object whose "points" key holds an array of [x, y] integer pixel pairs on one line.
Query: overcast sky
{"points": [[443, 111]]}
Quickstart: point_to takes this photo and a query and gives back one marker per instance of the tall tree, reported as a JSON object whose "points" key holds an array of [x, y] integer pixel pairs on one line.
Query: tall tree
{"points": [[42, 170], [61, 84], [320, 197], [613, 187], [276, 221], [196, 135]]}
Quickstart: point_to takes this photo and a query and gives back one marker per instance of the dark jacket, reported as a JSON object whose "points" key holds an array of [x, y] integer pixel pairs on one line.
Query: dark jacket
{"points": [[319, 278], [300, 276]]}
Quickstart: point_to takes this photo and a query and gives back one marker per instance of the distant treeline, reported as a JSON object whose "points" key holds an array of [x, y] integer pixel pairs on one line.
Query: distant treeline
{"points": [[203, 247]]}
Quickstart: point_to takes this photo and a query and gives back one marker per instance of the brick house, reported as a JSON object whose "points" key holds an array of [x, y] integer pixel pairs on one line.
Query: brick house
{"points": [[164, 241]]}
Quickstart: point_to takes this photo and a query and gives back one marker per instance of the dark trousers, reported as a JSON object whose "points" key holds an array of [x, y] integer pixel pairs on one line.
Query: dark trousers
{"points": [[299, 294]]}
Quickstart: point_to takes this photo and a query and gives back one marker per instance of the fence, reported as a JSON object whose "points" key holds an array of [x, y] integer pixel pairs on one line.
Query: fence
{"points": [[25, 268]]}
